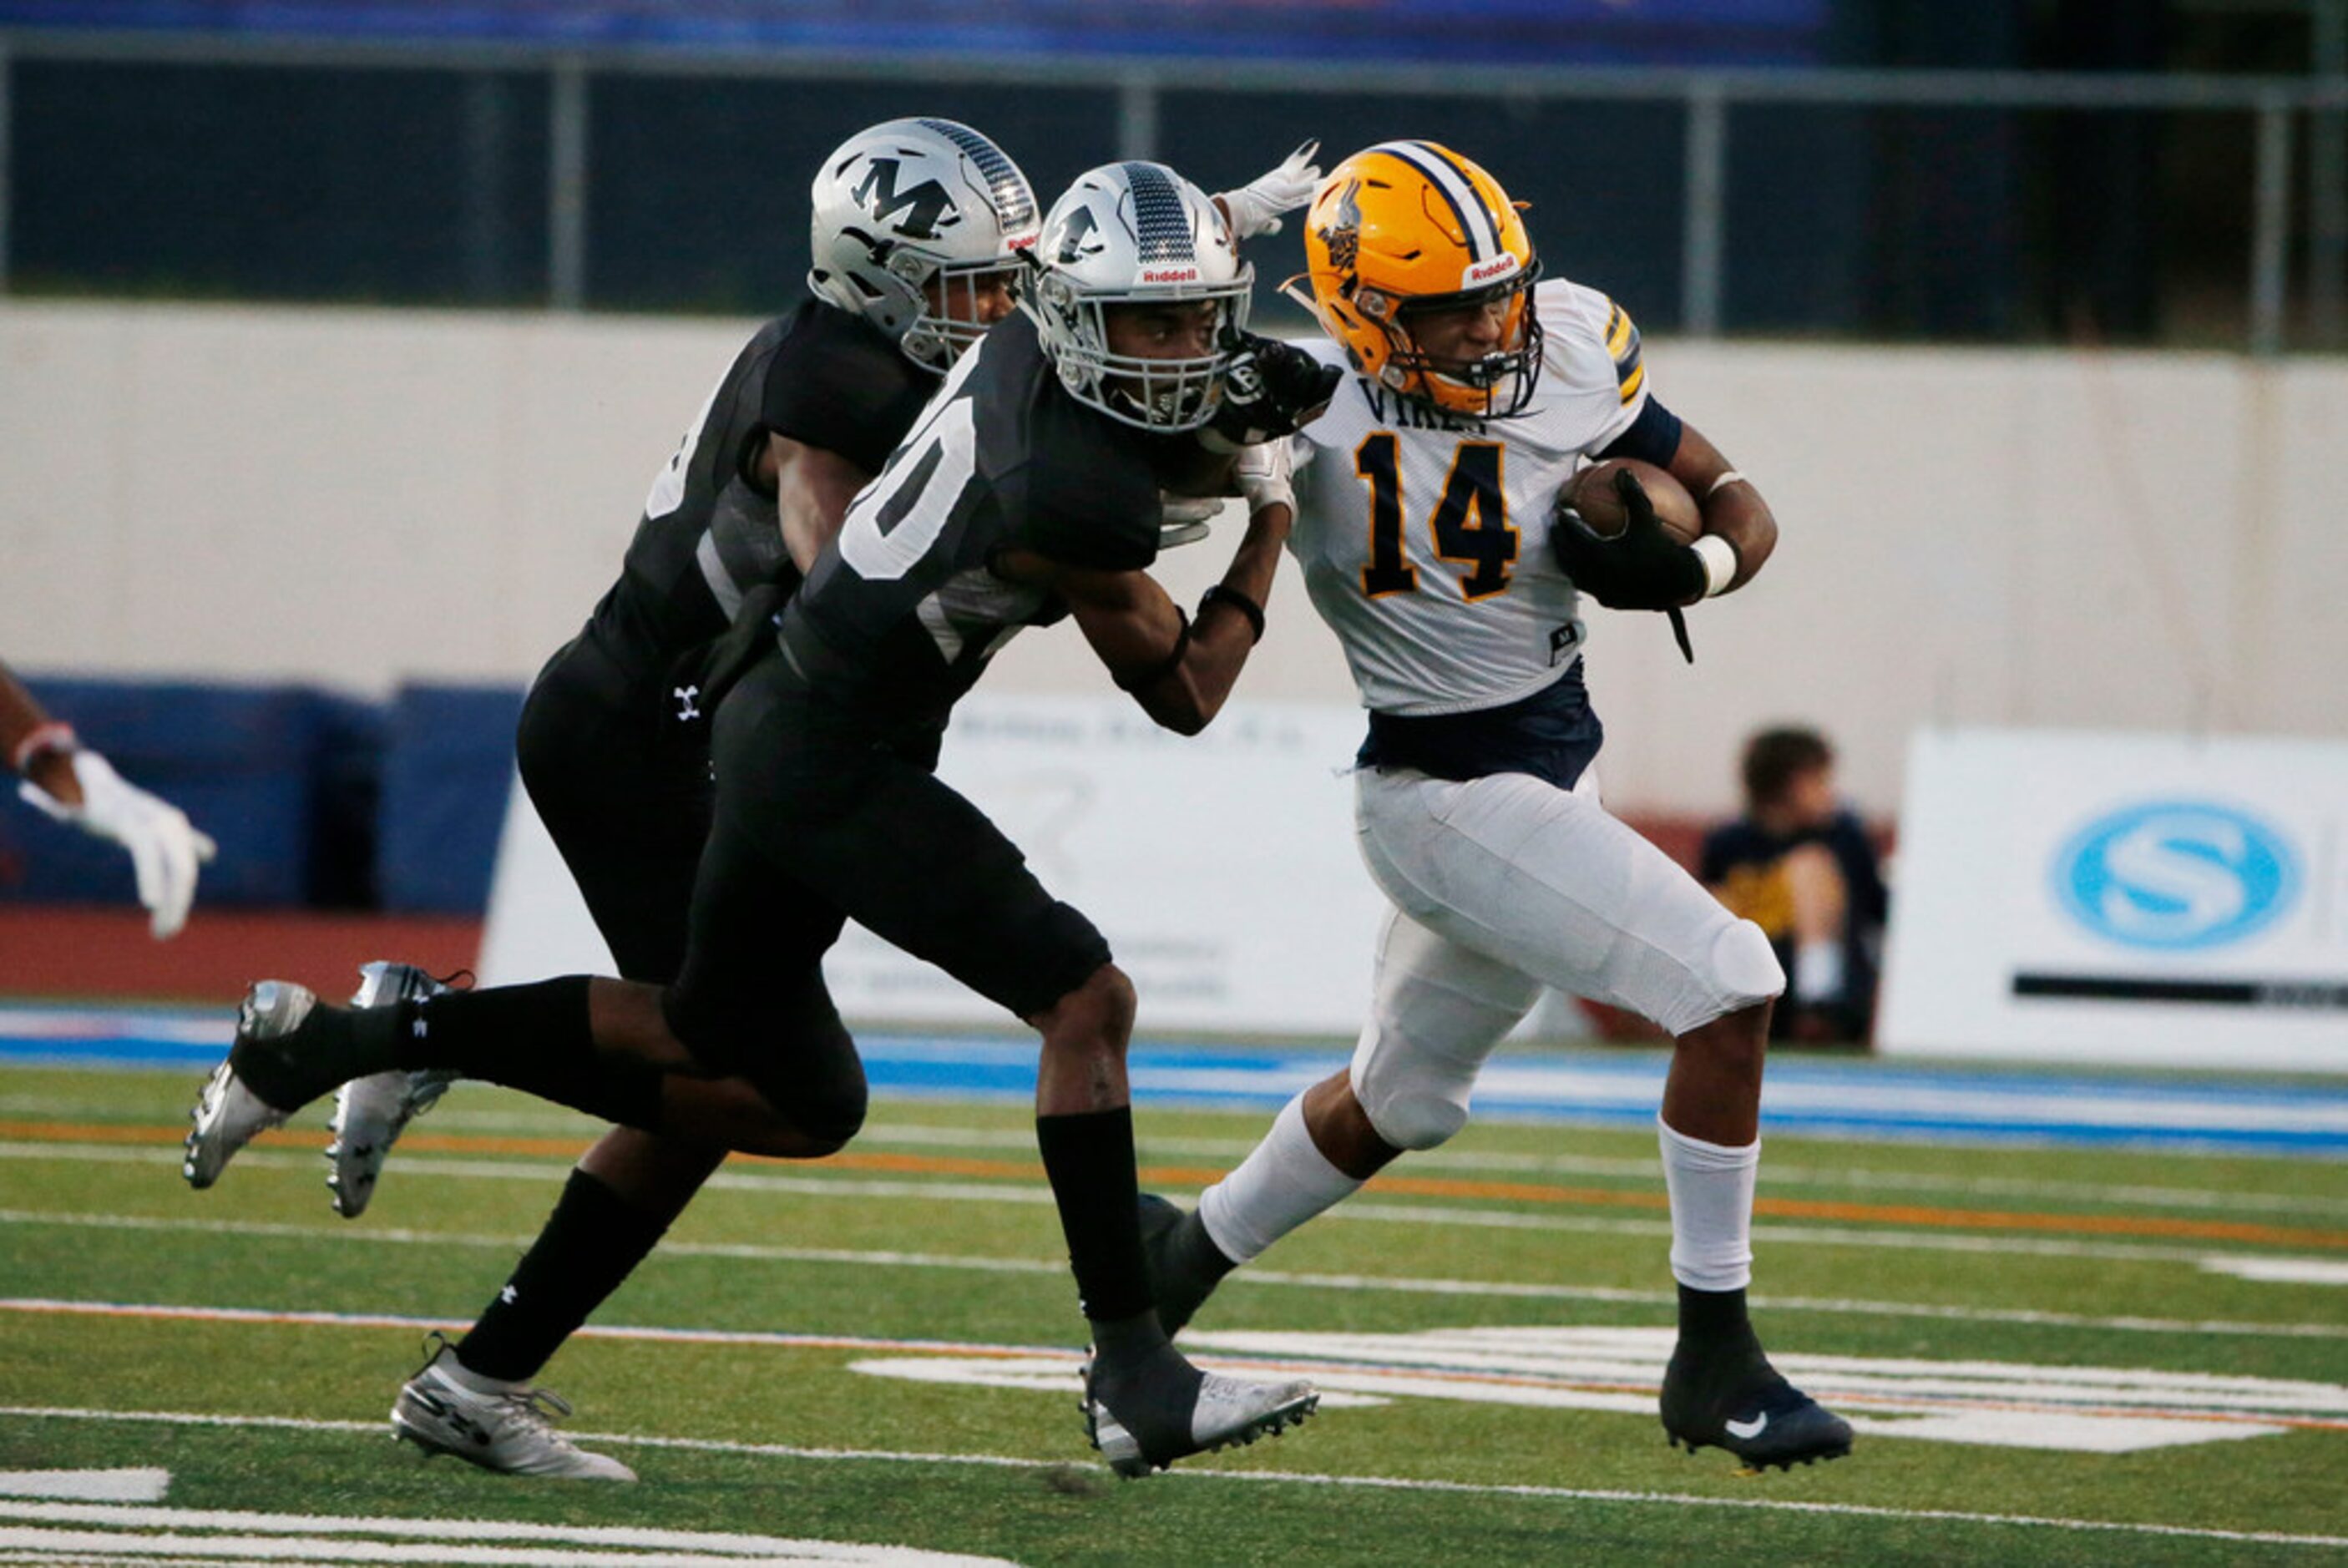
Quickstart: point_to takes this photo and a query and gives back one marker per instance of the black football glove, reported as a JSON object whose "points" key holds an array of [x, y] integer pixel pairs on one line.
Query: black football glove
{"points": [[1271, 390], [1640, 568]]}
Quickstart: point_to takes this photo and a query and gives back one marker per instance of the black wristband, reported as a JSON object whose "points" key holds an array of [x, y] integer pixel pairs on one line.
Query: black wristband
{"points": [[1163, 667], [1220, 594]]}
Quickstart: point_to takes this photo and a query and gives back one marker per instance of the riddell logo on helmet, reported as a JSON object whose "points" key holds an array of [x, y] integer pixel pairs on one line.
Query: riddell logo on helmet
{"points": [[1169, 274], [1484, 272]]}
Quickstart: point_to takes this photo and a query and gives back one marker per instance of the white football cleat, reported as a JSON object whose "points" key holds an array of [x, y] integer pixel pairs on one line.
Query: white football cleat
{"points": [[509, 1428], [371, 1112], [229, 1114], [1228, 1412]]}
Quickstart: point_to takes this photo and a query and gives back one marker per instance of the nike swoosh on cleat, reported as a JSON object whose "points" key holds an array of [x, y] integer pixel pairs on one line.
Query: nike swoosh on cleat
{"points": [[1748, 1430]]}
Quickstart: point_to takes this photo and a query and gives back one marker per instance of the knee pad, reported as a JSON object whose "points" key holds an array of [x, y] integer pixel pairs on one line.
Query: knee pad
{"points": [[1408, 1107], [1744, 966]]}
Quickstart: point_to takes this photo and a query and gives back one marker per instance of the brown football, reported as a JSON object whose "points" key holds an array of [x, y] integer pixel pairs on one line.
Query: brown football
{"points": [[1591, 492]]}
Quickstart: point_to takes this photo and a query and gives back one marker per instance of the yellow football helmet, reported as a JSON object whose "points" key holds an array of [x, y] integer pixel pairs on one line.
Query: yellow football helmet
{"points": [[1409, 226]]}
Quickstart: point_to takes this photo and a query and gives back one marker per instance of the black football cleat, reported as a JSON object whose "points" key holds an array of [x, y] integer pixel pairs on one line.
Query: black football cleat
{"points": [[1184, 1263], [1725, 1395]]}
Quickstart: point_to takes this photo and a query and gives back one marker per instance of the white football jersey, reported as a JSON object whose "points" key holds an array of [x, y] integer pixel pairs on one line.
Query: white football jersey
{"points": [[1424, 535]]}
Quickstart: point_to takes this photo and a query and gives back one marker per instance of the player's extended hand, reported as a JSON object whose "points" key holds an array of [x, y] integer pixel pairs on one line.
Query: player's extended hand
{"points": [[1271, 390], [1255, 207], [1264, 476], [164, 847], [1640, 568]]}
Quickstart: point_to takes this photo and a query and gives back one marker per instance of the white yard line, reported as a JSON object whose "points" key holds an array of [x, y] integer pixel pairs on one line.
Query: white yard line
{"points": [[1205, 1473], [1776, 1176], [1370, 1283], [544, 1172]]}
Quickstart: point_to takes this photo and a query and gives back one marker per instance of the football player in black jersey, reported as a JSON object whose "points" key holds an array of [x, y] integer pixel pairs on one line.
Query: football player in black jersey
{"points": [[1033, 490], [916, 226]]}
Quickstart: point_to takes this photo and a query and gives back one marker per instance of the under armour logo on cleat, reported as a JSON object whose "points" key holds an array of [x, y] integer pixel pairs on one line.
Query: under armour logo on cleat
{"points": [[686, 709], [508, 1295], [1748, 1430]]}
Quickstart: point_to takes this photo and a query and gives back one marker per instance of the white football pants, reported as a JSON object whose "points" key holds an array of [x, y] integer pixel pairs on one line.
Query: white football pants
{"points": [[1504, 884]]}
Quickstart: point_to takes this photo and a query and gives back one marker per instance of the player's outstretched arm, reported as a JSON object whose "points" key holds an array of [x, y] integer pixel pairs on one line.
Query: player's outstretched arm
{"points": [[1180, 669], [78, 787], [1732, 508]]}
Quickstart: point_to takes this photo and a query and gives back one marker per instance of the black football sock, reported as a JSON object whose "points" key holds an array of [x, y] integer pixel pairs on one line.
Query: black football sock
{"points": [[331, 1046], [1089, 1158], [592, 1242], [534, 1037], [1714, 1317]]}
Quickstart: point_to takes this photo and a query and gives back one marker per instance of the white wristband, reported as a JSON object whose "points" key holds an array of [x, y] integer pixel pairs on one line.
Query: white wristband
{"points": [[1719, 558], [1730, 477]]}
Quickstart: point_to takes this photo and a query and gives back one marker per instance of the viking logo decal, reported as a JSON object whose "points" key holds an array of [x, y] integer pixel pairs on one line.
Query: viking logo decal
{"points": [[1343, 233], [927, 206]]}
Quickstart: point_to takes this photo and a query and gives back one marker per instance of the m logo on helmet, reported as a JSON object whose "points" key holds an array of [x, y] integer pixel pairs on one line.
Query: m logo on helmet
{"points": [[927, 206], [1072, 249]]}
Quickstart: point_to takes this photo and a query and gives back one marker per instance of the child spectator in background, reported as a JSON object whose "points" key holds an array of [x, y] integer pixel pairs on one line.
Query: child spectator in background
{"points": [[1798, 863]]}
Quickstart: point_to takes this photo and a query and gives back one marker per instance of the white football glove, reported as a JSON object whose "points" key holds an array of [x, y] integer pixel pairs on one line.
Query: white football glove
{"points": [[1262, 476], [164, 847], [1184, 518], [1256, 206]]}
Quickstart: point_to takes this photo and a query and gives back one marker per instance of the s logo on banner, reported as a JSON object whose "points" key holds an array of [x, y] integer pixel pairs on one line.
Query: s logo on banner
{"points": [[2176, 876]]}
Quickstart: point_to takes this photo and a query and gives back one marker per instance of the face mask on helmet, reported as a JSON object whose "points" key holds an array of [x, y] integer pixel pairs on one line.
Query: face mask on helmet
{"points": [[1136, 294], [1421, 268], [912, 225]]}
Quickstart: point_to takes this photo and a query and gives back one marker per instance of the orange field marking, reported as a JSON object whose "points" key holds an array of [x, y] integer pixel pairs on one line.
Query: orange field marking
{"points": [[1910, 1214]]}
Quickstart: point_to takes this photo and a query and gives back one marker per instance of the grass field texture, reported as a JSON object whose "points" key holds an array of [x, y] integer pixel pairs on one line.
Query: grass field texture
{"points": [[2054, 1356]]}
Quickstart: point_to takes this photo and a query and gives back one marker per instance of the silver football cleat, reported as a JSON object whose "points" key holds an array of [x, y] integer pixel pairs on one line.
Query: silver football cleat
{"points": [[1228, 1412], [371, 1112], [510, 1428], [229, 1114]]}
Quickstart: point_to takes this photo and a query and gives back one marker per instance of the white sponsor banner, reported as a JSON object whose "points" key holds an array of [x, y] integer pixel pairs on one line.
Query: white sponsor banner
{"points": [[1221, 867], [2122, 898]]}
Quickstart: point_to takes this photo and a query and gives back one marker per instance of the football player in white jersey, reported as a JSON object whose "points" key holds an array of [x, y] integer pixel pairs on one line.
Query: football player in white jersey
{"points": [[1430, 535]]}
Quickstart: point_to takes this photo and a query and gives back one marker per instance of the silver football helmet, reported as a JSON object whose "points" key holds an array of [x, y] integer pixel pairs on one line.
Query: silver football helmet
{"points": [[909, 203], [1128, 233]]}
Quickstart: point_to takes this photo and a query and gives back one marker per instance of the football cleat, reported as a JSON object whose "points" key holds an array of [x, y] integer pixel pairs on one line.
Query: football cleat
{"points": [[371, 1112], [1729, 1397], [230, 1113], [1148, 1425], [1174, 1247], [509, 1428]]}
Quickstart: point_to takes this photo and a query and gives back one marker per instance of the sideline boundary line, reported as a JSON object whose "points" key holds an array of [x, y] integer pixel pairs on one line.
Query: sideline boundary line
{"points": [[1270, 1478]]}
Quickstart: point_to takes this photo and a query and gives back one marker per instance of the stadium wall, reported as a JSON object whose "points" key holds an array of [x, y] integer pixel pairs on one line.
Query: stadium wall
{"points": [[2020, 538]]}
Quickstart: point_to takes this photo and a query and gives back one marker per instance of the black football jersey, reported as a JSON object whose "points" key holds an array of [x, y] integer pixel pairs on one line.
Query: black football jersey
{"points": [[900, 613], [819, 376]]}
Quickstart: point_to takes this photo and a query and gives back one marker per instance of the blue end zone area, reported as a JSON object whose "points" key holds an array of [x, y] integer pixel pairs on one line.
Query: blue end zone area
{"points": [[1617, 1089]]}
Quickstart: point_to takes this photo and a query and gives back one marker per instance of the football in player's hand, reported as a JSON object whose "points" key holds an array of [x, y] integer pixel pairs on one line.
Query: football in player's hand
{"points": [[1592, 494]]}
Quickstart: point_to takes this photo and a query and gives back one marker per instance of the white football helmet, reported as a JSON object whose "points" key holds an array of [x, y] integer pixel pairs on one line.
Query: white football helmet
{"points": [[907, 203], [1129, 233]]}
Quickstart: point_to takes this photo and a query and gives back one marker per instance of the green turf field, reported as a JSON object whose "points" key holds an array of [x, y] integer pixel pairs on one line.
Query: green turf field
{"points": [[2047, 1360]]}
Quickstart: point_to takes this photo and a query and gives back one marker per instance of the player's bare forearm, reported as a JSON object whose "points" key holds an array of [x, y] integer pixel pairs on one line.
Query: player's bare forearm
{"points": [[1734, 510], [1224, 634], [20, 716], [1180, 674]]}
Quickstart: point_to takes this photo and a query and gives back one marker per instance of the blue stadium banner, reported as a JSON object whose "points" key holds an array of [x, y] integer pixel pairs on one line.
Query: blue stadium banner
{"points": [[1492, 32]]}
